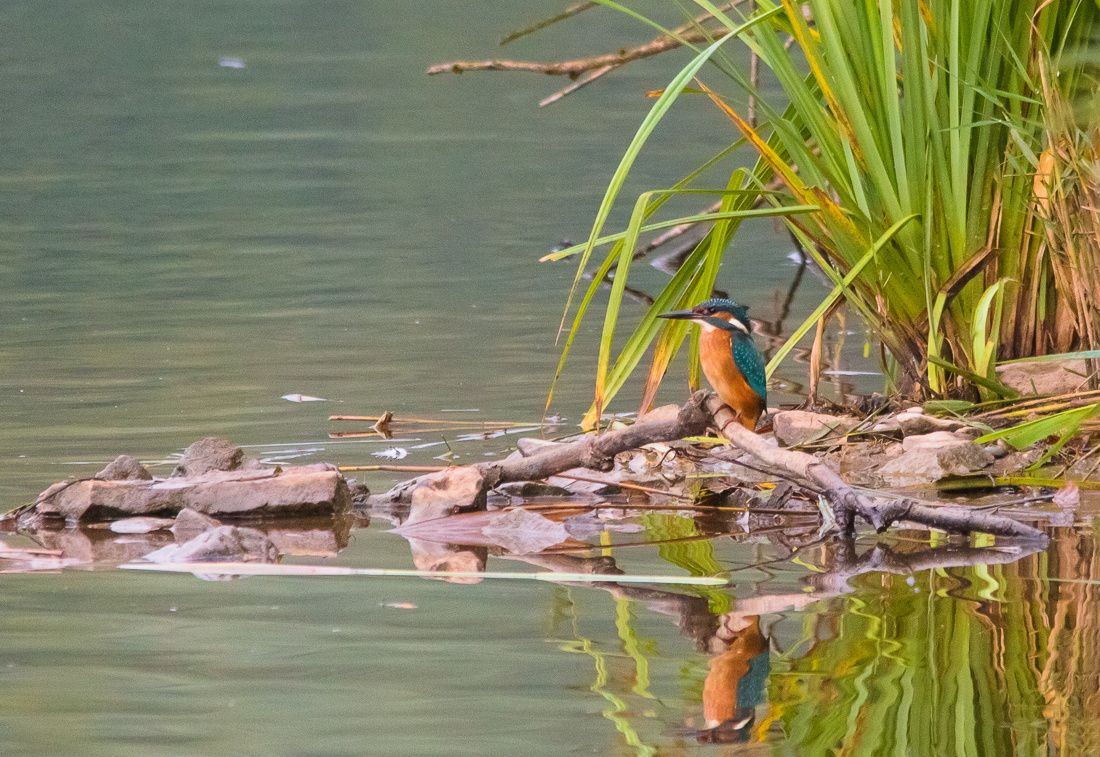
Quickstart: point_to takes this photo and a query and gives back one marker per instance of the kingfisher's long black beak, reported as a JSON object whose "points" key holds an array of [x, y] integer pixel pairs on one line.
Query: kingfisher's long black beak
{"points": [[681, 315]]}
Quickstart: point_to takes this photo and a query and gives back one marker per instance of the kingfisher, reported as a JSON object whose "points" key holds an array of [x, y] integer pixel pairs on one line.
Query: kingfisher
{"points": [[731, 362]]}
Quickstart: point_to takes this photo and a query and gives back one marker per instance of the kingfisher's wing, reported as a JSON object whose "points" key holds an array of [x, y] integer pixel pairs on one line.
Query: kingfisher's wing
{"points": [[751, 364]]}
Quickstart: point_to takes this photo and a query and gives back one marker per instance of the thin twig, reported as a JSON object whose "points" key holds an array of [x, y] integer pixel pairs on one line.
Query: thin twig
{"points": [[582, 81], [567, 13]]}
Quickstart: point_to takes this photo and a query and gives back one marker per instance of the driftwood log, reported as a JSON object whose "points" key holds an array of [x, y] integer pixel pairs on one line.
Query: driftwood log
{"points": [[466, 487]]}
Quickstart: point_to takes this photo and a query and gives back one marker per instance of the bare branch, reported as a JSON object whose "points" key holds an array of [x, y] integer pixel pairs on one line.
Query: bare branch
{"points": [[569, 12], [571, 68], [597, 452], [582, 81], [847, 504]]}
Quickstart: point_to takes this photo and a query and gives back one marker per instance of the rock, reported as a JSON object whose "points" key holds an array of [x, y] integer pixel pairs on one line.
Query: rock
{"points": [[527, 446], [446, 493], [528, 489], [936, 439], [1017, 461], [125, 468], [293, 492], [221, 544], [930, 457], [794, 427], [190, 523], [662, 413], [916, 423], [212, 454], [359, 490], [858, 462], [1055, 377], [141, 525]]}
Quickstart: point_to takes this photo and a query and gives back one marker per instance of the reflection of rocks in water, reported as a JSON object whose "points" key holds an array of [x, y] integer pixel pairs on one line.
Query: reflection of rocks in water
{"points": [[100, 545], [309, 537], [195, 537], [191, 523], [310, 542], [443, 557], [221, 544]]}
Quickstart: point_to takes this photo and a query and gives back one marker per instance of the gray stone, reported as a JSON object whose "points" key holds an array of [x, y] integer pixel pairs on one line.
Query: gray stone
{"points": [[1055, 377], [528, 445], [930, 457], [190, 523], [1017, 461], [794, 427], [528, 489], [125, 468], [917, 423], [446, 493], [933, 439], [141, 525], [210, 454], [293, 492], [858, 462], [662, 413]]}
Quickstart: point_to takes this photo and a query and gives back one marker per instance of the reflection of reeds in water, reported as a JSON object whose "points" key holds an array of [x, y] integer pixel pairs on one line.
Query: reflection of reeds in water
{"points": [[1063, 590], [990, 660]]}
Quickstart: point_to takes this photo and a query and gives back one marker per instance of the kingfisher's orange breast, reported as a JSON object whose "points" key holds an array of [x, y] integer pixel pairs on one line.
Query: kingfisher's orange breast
{"points": [[716, 355]]}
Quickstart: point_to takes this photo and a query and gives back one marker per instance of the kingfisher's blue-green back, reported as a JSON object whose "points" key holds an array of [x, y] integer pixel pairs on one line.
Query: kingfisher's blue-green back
{"points": [[750, 362]]}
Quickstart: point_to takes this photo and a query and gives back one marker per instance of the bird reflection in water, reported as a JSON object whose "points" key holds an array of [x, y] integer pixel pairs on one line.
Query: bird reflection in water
{"points": [[736, 680]]}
